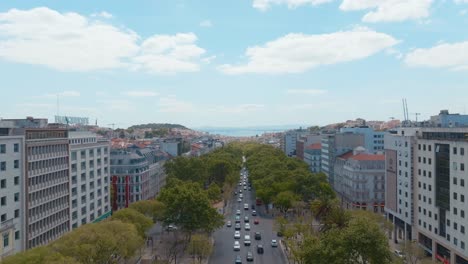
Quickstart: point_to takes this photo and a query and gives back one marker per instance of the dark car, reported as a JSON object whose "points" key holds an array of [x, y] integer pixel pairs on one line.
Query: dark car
{"points": [[259, 249], [246, 219], [238, 260], [249, 256], [258, 236], [237, 226], [253, 206]]}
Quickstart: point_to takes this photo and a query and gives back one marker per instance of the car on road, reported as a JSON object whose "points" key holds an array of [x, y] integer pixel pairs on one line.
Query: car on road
{"points": [[250, 188], [245, 188], [246, 219], [229, 224], [249, 256], [258, 236], [240, 191], [399, 254], [235, 193], [246, 206], [238, 260], [247, 240], [239, 200], [238, 226], [254, 213], [171, 228], [238, 212], [237, 219], [256, 221], [237, 235], [241, 196], [247, 226], [260, 249], [274, 243], [236, 246], [253, 206]]}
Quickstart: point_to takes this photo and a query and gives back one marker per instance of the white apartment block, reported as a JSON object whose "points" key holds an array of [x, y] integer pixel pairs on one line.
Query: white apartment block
{"points": [[90, 178], [441, 193], [399, 152], [11, 199], [47, 185]]}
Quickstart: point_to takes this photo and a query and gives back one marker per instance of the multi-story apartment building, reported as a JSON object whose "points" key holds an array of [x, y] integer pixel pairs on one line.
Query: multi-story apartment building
{"points": [[399, 195], [373, 140], [47, 185], [289, 141], [334, 145], [11, 194], [441, 192], [90, 178], [313, 156], [360, 180], [304, 141]]}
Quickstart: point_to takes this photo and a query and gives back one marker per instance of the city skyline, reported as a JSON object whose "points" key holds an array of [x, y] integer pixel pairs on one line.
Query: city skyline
{"points": [[233, 63]]}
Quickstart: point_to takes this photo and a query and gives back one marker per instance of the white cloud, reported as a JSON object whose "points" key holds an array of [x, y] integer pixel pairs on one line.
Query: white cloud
{"points": [[461, 1], [72, 42], [140, 93], [266, 4], [389, 10], [168, 54], [453, 56], [62, 94], [306, 91], [463, 12], [102, 14], [296, 52], [206, 23]]}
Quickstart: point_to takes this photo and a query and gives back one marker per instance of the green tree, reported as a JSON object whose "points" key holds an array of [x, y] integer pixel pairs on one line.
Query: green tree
{"points": [[214, 192], [285, 200], [140, 221], [200, 247], [104, 242], [39, 255], [188, 207], [151, 208]]}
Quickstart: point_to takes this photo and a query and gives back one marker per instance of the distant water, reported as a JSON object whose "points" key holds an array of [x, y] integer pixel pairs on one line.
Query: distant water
{"points": [[240, 132]]}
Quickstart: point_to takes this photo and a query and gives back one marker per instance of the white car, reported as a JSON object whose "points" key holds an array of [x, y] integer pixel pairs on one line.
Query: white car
{"points": [[238, 212], [241, 196], [247, 240], [274, 243], [247, 226], [239, 200], [236, 246], [237, 235]]}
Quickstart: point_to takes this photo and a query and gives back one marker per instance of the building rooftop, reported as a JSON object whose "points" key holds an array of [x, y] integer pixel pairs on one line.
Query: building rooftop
{"points": [[315, 146]]}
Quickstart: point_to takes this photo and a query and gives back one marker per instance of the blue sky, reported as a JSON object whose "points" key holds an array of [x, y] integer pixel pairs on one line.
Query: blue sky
{"points": [[233, 63]]}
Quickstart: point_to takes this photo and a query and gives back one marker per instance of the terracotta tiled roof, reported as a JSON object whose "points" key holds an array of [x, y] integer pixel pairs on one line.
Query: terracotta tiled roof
{"points": [[363, 156], [347, 155], [315, 146]]}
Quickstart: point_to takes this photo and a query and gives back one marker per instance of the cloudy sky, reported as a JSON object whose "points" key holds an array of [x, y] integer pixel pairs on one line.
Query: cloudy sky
{"points": [[232, 63]]}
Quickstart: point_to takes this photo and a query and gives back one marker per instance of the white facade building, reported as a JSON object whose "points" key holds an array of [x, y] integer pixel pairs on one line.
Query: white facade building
{"points": [[11, 199], [90, 178]]}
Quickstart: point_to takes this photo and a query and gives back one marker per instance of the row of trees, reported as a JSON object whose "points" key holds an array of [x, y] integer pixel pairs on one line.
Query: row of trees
{"points": [[114, 239], [315, 228], [282, 180]]}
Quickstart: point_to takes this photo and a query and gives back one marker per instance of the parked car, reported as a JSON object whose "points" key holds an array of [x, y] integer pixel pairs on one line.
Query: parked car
{"points": [[171, 228], [260, 249], [228, 224]]}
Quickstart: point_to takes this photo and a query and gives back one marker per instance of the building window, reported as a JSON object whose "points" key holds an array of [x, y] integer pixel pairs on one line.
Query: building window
{"points": [[16, 164], [2, 148], [462, 198], [16, 147], [3, 201], [6, 240], [16, 213], [17, 235], [462, 166], [3, 166], [454, 181], [17, 197], [454, 150], [16, 180], [462, 151], [462, 182], [3, 184]]}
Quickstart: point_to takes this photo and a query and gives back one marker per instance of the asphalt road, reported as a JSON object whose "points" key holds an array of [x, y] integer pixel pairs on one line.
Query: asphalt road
{"points": [[224, 253]]}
